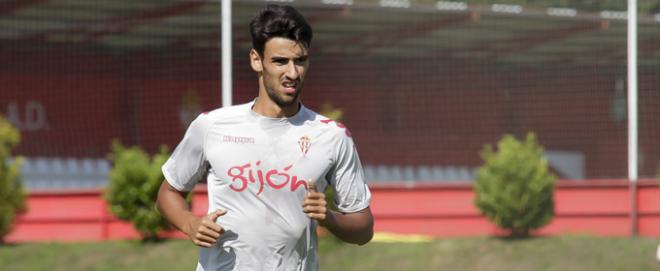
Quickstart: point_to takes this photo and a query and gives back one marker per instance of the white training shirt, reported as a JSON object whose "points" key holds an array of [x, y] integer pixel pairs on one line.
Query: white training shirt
{"points": [[258, 168]]}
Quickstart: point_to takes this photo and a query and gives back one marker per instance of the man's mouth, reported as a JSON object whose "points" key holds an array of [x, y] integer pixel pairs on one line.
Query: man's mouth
{"points": [[290, 87]]}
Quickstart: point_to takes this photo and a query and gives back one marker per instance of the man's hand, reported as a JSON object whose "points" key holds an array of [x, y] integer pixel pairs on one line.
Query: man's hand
{"points": [[314, 205], [355, 227], [203, 231]]}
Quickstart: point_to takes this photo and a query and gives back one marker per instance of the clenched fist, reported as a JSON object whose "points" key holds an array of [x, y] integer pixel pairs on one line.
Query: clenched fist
{"points": [[203, 231], [315, 205]]}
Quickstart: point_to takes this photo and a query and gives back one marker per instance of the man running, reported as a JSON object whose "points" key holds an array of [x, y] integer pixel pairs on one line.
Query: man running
{"points": [[267, 164]]}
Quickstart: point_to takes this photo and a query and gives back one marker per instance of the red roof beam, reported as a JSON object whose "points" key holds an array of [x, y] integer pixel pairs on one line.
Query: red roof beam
{"points": [[7, 7], [124, 23], [520, 43], [388, 36]]}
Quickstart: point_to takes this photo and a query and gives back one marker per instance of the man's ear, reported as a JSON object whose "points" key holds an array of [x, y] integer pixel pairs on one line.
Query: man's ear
{"points": [[255, 61]]}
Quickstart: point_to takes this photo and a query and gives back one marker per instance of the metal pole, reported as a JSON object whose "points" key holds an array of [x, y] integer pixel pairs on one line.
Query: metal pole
{"points": [[226, 54], [632, 112]]}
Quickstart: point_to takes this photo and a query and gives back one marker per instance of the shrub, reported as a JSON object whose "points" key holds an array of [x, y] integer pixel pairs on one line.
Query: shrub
{"points": [[12, 195], [134, 182], [514, 187]]}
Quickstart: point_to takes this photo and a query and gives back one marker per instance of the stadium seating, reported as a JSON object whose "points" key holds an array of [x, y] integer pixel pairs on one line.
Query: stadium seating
{"points": [[423, 173], [54, 173], [40, 173]]}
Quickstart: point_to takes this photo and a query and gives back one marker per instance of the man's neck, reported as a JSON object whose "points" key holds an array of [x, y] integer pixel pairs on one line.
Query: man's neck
{"points": [[266, 107]]}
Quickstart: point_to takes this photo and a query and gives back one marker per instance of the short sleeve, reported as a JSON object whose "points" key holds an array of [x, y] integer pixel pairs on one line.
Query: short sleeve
{"points": [[347, 178], [187, 164]]}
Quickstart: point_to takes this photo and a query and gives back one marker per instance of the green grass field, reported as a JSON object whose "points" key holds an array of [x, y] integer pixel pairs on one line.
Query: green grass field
{"points": [[482, 253]]}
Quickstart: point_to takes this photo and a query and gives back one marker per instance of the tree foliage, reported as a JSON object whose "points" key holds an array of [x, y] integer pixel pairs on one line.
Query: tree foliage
{"points": [[12, 194], [514, 187], [134, 182]]}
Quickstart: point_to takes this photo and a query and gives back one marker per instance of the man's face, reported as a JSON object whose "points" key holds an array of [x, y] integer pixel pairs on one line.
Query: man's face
{"points": [[283, 68]]}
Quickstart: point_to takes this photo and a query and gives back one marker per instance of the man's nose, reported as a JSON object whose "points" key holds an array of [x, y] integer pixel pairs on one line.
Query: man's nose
{"points": [[292, 71]]}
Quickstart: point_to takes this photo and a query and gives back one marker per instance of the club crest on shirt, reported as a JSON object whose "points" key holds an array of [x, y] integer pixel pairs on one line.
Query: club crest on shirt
{"points": [[304, 142]]}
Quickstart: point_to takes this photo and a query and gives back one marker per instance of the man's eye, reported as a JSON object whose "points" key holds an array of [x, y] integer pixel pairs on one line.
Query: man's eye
{"points": [[280, 61]]}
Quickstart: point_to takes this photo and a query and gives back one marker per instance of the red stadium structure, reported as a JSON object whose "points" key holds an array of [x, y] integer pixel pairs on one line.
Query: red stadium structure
{"points": [[599, 208], [422, 89]]}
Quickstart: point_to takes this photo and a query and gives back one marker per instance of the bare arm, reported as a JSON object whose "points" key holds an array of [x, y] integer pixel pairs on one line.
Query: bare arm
{"points": [[202, 231], [355, 228]]}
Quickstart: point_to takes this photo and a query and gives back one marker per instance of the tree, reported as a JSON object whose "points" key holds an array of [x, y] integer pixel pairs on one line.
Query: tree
{"points": [[12, 194], [514, 187], [134, 182]]}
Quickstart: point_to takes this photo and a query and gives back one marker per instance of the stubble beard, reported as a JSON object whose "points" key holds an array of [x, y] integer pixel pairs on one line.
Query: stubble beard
{"points": [[280, 101]]}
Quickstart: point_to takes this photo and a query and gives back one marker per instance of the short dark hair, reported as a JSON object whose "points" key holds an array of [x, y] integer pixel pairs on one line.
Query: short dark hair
{"points": [[279, 21]]}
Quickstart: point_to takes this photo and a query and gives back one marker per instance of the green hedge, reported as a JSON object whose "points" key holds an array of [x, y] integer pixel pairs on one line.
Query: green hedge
{"points": [[134, 182], [514, 187], [12, 194]]}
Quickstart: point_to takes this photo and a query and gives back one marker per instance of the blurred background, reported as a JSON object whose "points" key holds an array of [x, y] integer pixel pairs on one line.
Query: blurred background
{"points": [[423, 85]]}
